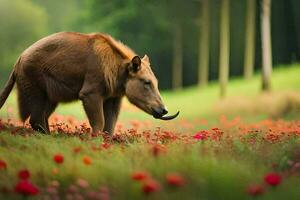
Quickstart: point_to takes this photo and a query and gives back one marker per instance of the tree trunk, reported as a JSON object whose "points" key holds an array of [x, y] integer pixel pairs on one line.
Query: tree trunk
{"points": [[177, 57], [266, 45], [224, 47], [249, 57], [203, 57]]}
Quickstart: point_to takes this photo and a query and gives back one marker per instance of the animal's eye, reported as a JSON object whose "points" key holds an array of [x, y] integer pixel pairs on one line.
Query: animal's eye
{"points": [[147, 82]]}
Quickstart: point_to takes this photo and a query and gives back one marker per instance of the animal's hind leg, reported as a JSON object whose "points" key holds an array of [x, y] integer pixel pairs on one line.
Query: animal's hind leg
{"points": [[24, 110], [50, 107], [38, 117], [24, 97], [32, 102], [37, 105]]}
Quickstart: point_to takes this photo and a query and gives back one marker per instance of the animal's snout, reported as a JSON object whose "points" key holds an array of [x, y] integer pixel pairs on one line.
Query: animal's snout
{"points": [[164, 111], [160, 111]]}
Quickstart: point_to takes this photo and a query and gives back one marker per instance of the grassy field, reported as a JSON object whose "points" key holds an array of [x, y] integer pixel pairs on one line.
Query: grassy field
{"points": [[244, 146], [195, 102]]}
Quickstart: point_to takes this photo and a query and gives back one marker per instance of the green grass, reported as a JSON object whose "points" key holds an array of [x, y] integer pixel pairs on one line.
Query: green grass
{"points": [[212, 169], [194, 102]]}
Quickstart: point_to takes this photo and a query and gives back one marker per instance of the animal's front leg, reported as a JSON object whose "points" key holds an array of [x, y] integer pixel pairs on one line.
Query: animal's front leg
{"points": [[93, 106], [111, 109]]}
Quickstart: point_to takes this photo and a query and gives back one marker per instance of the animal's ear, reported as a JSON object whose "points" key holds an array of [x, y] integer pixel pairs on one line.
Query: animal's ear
{"points": [[146, 58], [135, 64]]}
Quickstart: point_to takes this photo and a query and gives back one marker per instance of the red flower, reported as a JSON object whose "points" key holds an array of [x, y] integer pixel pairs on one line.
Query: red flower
{"points": [[201, 135], [24, 174], [105, 145], [26, 188], [87, 160], [140, 176], [273, 179], [77, 149], [58, 158], [255, 190], [150, 186], [296, 165], [175, 180], [3, 164]]}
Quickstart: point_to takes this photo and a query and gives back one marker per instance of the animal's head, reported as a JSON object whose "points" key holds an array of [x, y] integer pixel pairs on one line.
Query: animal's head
{"points": [[142, 89]]}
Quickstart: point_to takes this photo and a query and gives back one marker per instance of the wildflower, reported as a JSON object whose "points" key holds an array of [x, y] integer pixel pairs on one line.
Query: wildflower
{"points": [[105, 145], [87, 160], [297, 165], [151, 186], [3, 164], [92, 195], [58, 158], [51, 190], [140, 176], [103, 193], [82, 183], [55, 171], [255, 190], [272, 179], [201, 135], [26, 188], [54, 184], [24, 174], [77, 149], [135, 124], [72, 189], [175, 180], [104, 189]]}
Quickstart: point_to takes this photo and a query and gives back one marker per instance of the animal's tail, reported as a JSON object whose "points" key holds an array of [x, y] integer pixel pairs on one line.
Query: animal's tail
{"points": [[8, 87]]}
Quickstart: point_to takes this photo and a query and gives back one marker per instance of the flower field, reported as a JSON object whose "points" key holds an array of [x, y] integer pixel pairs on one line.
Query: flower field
{"points": [[230, 149], [233, 160]]}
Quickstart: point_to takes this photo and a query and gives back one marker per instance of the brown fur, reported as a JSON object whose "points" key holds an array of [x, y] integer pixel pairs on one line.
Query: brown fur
{"points": [[94, 68]]}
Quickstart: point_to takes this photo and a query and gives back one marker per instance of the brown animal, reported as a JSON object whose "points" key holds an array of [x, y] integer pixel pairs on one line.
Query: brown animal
{"points": [[94, 68]]}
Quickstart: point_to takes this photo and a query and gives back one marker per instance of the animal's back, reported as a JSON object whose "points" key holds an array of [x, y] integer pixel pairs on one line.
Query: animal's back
{"points": [[57, 65], [65, 51]]}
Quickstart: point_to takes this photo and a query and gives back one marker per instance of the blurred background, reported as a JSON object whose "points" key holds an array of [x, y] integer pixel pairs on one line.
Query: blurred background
{"points": [[195, 44]]}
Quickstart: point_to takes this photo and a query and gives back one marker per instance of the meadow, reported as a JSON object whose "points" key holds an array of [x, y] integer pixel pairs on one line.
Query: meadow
{"points": [[242, 147]]}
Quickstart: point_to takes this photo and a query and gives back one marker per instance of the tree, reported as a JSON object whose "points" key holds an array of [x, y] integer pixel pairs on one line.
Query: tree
{"points": [[224, 47], [22, 23], [156, 28], [203, 57], [177, 57], [177, 15], [266, 45], [62, 16], [249, 56]]}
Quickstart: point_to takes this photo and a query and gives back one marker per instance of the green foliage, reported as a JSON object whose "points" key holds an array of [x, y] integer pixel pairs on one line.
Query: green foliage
{"points": [[22, 23], [61, 16], [147, 27]]}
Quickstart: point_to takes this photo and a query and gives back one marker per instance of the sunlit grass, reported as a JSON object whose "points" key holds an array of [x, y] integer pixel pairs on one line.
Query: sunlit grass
{"points": [[194, 102], [213, 169]]}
